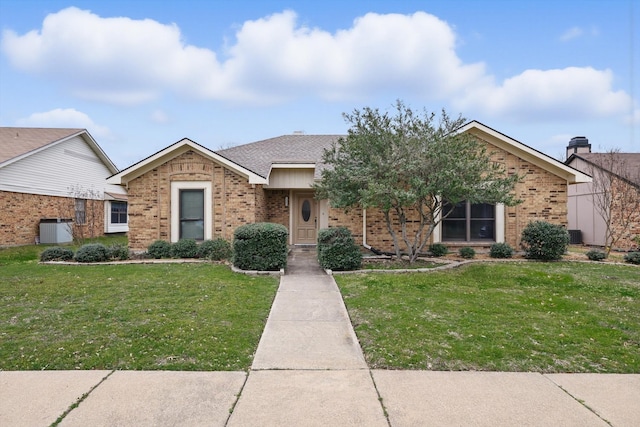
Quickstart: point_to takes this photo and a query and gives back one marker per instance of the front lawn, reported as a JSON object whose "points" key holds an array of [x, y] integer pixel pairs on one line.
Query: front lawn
{"points": [[542, 317], [143, 317]]}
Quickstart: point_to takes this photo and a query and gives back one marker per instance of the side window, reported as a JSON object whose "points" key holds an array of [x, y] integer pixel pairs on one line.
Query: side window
{"points": [[81, 211], [118, 212]]}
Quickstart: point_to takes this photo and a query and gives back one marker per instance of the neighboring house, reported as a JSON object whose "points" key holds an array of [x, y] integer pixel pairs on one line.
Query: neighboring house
{"points": [[56, 173], [615, 175], [189, 191]]}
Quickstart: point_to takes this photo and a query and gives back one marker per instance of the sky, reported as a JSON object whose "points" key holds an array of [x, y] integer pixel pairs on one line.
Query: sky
{"points": [[141, 75]]}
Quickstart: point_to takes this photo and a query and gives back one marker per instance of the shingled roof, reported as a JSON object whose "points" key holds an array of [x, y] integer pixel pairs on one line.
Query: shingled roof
{"points": [[287, 149], [630, 162], [15, 142]]}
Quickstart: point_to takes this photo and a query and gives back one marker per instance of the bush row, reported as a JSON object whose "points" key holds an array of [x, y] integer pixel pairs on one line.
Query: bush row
{"points": [[92, 252], [215, 250]]}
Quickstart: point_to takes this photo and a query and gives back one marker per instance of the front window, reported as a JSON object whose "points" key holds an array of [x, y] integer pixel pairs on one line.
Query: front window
{"points": [[192, 214], [81, 211], [118, 212], [469, 222]]}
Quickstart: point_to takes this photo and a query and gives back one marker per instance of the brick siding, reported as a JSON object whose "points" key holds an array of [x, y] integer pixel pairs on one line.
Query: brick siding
{"points": [[234, 201], [20, 215]]}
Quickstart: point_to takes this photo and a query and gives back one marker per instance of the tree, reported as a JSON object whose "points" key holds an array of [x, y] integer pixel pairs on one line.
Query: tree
{"points": [[616, 195], [409, 166]]}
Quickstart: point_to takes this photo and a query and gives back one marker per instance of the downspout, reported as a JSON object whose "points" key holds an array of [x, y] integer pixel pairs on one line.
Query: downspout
{"points": [[364, 230]]}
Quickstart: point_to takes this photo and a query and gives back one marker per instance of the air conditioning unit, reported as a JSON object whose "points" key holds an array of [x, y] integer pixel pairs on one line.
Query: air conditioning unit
{"points": [[55, 230], [575, 237]]}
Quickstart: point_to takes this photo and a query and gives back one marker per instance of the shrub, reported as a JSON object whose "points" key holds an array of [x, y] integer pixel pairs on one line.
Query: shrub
{"points": [[438, 250], [632, 258], [92, 252], [184, 248], [337, 250], [159, 249], [544, 241], [260, 246], [56, 253], [501, 250], [596, 255], [217, 249], [467, 253], [118, 251]]}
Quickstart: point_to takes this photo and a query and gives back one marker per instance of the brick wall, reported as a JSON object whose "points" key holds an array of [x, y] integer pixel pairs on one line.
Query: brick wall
{"points": [[276, 211], [20, 215], [234, 201], [544, 197]]}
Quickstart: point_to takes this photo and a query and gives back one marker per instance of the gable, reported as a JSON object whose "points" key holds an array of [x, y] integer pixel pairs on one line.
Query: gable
{"points": [[627, 164], [56, 167], [161, 157], [525, 152]]}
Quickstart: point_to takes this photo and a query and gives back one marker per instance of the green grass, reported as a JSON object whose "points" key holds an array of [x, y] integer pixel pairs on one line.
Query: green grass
{"points": [[542, 317], [143, 317]]}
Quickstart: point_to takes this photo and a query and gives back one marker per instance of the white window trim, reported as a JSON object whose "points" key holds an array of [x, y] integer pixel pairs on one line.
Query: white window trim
{"points": [[111, 227], [176, 186]]}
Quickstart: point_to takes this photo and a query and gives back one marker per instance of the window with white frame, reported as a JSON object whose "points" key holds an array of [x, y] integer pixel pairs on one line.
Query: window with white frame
{"points": [[118, 212], [191, 210]]}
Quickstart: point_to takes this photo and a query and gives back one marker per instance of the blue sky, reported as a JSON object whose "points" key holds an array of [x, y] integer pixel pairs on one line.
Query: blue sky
{"points": [[140, 75]]}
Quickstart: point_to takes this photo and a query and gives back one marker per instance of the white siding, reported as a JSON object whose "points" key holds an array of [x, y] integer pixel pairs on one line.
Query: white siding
{"points": [[55, 170], [290, 178]]}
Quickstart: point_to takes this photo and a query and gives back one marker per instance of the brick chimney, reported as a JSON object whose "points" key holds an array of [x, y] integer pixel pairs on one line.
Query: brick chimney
{"points": [[577, 145]]}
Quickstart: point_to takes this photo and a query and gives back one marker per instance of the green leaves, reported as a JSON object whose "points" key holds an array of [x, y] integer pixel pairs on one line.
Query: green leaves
{"points": [[408, 163]]}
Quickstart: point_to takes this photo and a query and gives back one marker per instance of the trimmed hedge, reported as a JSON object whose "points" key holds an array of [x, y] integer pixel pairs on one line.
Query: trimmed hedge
{"points": [[544, 241], [337, 250], [632, 258], [467, 253], [596, 255], [159, 249], [184, 248], [118, 251], [92, 252], [438, 249], [216, 249], [260, 246], [56, 253], [501, 250]]}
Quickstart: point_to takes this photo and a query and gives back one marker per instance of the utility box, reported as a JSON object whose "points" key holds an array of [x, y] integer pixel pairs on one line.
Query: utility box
{"points": [[55, 230], [575, 237]]}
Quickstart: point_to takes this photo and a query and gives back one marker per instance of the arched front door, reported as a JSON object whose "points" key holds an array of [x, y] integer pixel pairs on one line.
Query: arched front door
{"points": [[305, 219]]}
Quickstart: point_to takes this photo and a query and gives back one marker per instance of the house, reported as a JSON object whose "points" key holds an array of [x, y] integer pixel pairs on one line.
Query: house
{"points": [[189, 191], [56, 173], [614, 193]]}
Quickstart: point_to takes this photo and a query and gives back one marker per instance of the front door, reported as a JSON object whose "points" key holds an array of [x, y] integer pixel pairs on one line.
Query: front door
{"points": [[305, 219]]}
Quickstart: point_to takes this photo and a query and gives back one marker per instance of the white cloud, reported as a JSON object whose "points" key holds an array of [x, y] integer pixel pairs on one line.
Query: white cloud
{"points": [[65, 118], [275, 59], [125, 61], [571, 33], [550, 94]]}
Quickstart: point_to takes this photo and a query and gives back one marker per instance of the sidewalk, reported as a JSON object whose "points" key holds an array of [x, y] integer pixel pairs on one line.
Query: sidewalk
{"points": [[309, 371]]}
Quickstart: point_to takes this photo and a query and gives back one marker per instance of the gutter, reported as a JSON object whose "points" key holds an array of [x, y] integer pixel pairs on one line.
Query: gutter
{"points": [[364, 230]]}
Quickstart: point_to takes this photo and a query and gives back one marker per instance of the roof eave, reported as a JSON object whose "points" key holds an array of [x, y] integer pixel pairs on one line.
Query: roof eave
{"points": [[174, 150], [572, 176]]}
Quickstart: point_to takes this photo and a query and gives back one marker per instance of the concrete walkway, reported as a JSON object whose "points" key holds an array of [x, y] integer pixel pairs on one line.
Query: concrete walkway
{"points": [[309, 371]]}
